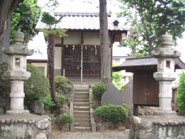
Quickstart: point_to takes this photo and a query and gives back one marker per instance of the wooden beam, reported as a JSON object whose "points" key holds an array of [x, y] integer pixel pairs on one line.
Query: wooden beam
{"points": [[62, 55]]}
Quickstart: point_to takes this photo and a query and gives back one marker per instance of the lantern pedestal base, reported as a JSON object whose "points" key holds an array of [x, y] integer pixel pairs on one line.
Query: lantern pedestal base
{"points": [[25, 126], [18, 112], [169, 126]]}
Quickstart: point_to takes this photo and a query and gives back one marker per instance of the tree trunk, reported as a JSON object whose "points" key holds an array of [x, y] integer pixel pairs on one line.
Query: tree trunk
{"points": [[6, 7], [51, 44], [104, 43]]}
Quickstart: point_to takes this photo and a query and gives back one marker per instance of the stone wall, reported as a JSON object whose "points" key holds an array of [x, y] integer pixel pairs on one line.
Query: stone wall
{"points": [[24, 127], [158, 127]]}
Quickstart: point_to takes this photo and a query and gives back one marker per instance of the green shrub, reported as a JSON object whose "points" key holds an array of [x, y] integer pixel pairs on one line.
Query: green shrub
{"points": [[61, 99], [63, 85], [112, 113], [117, 80], [36, 87], [98, 89], [4, 82], [62, 82], [48, 103], [181, 94], [65, 119]]}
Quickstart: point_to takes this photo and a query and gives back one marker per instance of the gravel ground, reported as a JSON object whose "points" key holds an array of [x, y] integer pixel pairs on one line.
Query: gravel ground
{"points": [[91, 135]]}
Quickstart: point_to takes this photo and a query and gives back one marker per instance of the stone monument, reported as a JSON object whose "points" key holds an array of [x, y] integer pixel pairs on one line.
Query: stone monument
{"points": [[18, 123], [164, 123]]}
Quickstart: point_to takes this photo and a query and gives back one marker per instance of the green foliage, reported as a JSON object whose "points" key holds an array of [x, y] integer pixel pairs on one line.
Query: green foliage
{"points": [[48, 103], [25, 18], [37, 86], [52, 116], [98, 89], [152, 18], [52, 21], [61, 99], [117, 79], [181, 94], [112, 113], [61, 83], [4, 82], [49, 19], [65, 119]]}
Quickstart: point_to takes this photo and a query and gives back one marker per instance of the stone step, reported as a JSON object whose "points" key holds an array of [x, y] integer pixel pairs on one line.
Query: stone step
{"points": [[85, 113], [81, 85], [78, 124], [85, 121], [81, 90], [81, 103], [81, 100], [79, 128], [81, 114], [81, 108], [80, 117], [81, 97]]}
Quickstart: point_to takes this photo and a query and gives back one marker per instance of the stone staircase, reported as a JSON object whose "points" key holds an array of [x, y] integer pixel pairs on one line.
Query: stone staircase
{"points": [[81, 108]]}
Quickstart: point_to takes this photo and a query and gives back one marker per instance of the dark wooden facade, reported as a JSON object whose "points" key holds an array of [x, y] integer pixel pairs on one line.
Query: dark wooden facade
{"points": [[145, 87], [73, 58]]}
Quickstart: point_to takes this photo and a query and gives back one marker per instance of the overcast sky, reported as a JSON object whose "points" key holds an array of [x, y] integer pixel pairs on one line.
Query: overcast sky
{"points": [[86, 6]]}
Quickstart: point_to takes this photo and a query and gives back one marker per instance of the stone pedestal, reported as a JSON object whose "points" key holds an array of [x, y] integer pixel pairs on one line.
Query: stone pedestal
{"points": [[158, 127], [24, 126]]}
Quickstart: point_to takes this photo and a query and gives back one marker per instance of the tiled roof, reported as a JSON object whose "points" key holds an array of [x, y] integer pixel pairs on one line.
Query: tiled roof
{"points": [[85, 21], [145, 62], [142, 61]]}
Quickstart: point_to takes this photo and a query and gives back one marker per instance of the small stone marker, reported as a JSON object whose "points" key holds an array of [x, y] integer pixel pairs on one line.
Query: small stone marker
{"points": [[17, 73], [112, 95]]}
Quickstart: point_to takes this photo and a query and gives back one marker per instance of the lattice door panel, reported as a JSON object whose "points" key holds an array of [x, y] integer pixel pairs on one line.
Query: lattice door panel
{"points": [[72, 61], [91, 61]]}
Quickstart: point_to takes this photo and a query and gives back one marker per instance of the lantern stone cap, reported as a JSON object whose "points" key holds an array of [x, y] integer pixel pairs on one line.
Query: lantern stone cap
{"points": [[17, 75], [166, 48], [165, 76], [18, 50], [18, 36], [166, 40], [18, 47]]}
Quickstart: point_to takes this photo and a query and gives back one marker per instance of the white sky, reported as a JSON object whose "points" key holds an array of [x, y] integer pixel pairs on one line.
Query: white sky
{"points": [[86, 6]]}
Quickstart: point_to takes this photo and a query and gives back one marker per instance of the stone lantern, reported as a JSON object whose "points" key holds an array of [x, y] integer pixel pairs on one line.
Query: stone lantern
{"points": [[165, 71], [17, 73]]}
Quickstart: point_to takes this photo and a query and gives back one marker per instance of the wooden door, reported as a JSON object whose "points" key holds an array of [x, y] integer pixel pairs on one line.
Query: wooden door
{"points": [[91, 62], [72, 61], [90, 58]]}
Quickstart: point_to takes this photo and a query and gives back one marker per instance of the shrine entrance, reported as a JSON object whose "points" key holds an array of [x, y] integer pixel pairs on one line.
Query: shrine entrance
{"points": [[82, 63]]}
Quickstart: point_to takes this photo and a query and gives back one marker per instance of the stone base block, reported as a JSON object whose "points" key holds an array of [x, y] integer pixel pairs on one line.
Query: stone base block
{"points": [[24, 126], [18, 112], [169, 126]]}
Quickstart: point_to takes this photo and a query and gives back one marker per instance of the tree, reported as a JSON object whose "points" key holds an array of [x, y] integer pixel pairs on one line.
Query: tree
{"points": [[25, 18], [181, 93], [51, 32], [104, 42], [153, 18], [5, 10]]}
